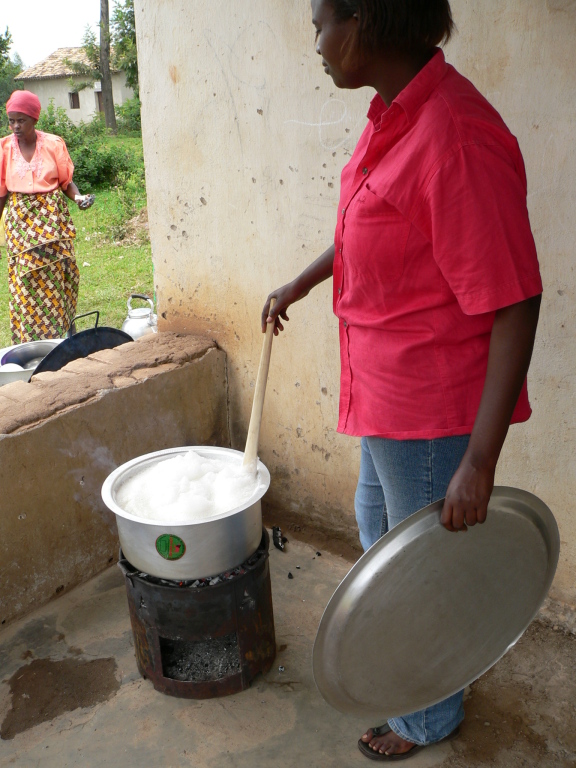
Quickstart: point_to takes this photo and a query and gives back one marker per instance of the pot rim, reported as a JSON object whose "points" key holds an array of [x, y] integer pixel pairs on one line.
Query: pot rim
{"points": [[207, 451], [17, 350]]}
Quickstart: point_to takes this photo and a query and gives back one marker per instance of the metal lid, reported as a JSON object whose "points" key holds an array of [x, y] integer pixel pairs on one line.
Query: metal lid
{"points": [[425, 612]]}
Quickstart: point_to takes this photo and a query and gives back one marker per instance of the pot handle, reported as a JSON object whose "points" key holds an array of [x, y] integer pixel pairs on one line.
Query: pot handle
{"points": [[78, 317], [140, 296]]}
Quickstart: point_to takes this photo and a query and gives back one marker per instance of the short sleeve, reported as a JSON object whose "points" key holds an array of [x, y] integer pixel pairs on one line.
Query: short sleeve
{"points": [[64, 164], [474, 212]]}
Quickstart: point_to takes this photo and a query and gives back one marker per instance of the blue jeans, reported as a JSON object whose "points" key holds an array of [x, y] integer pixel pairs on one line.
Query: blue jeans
{"points": [[397, 478]]}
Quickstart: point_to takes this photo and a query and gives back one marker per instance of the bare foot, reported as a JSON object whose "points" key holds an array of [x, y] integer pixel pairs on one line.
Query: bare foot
{"points": [[387, 744]]}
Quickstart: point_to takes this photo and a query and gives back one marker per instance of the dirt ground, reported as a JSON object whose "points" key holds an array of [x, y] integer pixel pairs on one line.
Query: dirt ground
{"points": [[71, 695], [523, 712]]}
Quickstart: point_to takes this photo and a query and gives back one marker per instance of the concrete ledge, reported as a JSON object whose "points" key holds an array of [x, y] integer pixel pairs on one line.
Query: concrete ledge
{"points": [[63, 433], [82, 380]]}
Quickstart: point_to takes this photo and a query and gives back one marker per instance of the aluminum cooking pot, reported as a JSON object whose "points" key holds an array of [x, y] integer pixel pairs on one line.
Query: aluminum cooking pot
{"points": [[29, 351], [187, 550], [28, 356]]}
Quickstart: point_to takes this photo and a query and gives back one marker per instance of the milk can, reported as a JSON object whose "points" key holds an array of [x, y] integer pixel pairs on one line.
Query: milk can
{"points": [[141, 320]]}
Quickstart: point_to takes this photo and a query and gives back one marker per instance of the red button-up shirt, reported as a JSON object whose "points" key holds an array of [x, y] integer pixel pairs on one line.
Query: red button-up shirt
{"points": [[432, 238]]}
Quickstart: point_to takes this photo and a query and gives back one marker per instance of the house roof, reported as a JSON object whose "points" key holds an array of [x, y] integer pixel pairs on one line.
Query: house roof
{"points": [[54, 65]]}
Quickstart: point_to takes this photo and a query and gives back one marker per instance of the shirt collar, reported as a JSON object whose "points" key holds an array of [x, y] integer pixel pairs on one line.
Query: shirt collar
{"points": [[413, 96]]}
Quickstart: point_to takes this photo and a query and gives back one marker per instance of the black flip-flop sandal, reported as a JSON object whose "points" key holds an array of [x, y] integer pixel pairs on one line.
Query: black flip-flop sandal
{"points": [[368, 752], [365, 748]]}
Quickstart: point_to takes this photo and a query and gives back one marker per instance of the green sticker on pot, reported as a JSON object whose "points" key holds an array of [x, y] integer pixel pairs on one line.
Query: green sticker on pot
{"points": [[170, 547]]}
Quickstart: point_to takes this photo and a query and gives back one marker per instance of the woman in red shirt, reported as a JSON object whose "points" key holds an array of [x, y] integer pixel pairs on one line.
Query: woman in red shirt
{"points": [[436, 287]]}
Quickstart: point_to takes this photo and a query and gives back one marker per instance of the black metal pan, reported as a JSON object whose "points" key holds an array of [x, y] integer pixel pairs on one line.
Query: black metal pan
{"points": [[82, 344]]}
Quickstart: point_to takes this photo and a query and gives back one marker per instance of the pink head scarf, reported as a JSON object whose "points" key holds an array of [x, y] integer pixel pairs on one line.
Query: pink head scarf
{"points": [[25, 102]]}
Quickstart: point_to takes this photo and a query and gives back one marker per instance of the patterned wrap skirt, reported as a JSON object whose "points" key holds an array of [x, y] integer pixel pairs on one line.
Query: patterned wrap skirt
{"points": [[42, 272]]}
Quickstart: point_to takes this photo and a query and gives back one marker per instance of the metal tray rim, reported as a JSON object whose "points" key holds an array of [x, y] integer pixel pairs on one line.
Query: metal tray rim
{"points": [[426, 517]]}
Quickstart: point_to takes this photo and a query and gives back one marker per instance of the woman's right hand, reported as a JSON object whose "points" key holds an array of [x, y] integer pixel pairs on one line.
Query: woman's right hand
{"points": [[317, 272], [284, 296]]}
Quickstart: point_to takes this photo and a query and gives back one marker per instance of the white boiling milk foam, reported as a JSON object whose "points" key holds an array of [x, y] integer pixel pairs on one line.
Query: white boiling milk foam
{"points": [[186, 488]]}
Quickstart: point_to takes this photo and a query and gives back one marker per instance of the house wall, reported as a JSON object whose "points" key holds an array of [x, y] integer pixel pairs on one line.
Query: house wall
{"points": [[59, 88], [243, 189]]}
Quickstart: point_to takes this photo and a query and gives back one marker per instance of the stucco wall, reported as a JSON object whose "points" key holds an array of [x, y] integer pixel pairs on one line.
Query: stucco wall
{"points": [[243, 185], [59, 88]]}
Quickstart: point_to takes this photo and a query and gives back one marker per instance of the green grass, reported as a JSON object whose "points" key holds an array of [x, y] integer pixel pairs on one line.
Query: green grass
{"points": [[126, 141], [109, 271]]}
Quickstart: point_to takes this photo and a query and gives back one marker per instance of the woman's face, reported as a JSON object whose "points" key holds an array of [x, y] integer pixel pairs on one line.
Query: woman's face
{"points": [[21, 125], [333, 40]]}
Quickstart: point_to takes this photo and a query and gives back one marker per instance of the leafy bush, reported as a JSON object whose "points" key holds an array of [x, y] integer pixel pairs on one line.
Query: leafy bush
{"points": [[129, 116], [95, 128], [99, 164], [55, 120], [130, 193], [131, 190]]}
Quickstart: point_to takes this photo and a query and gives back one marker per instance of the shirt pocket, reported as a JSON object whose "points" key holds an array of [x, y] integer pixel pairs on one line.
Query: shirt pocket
{"points": [[376, 237]]}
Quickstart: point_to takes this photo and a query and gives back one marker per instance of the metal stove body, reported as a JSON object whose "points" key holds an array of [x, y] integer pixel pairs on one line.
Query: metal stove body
{"points": [[205, 638]]}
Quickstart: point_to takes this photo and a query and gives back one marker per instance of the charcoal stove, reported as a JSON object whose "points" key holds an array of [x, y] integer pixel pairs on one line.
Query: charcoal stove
{"points": [[203, 638]]}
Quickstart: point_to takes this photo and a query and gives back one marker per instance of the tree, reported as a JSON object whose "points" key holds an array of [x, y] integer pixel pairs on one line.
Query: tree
{"points": [[124, 42], [5, 43], [9, 68], [120, 55], [90, 67], [8, 72], [105, 72]]}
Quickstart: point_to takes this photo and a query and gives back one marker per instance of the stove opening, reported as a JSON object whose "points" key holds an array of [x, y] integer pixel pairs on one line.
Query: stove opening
{"points": [[202, 660]]}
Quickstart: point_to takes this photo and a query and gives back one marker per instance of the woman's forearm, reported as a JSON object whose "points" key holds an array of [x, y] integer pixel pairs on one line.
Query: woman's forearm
{"points": [[313, 275], [511, 345], [71, 191], [317, 272]]}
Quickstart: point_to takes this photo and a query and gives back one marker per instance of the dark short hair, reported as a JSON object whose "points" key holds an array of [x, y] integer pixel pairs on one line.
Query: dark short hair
{"points": [[403, 25]]}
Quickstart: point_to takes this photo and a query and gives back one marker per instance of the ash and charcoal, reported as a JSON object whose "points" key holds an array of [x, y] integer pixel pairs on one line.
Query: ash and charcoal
{"points": [[201, 661], [278, 539], [208, 581]]}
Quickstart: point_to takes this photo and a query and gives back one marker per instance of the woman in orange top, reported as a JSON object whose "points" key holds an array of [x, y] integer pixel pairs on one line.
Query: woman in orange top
{"points": [[42, 271]]}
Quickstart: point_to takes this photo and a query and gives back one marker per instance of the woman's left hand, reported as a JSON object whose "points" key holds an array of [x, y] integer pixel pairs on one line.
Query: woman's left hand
{"points": [[467, 496], [511, 345]]}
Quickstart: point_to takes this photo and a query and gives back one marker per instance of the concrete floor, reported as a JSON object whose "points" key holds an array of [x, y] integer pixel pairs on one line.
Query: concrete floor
{"points": [[520, 714]]}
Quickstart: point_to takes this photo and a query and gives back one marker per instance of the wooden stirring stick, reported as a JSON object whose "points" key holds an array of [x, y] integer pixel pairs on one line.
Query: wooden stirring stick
{"points": [[251, 450]]}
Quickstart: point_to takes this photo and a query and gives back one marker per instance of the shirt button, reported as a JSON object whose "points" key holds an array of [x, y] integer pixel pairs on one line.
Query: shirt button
{"points": [[343, 211], [364, 171], [345, 324], [339, 291]]}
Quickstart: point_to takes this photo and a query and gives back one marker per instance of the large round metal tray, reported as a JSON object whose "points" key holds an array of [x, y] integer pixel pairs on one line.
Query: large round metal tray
{"points": [[425, 612]]}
